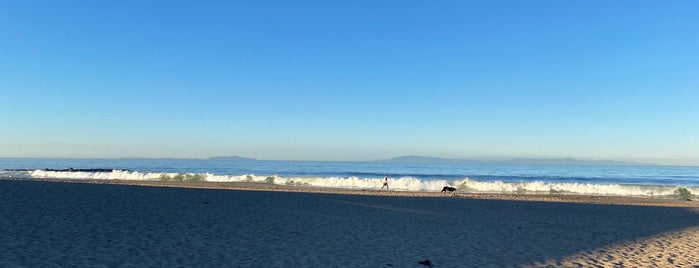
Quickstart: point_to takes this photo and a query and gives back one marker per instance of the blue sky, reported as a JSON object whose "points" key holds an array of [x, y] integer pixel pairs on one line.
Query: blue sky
{"points": [[351, 80]]}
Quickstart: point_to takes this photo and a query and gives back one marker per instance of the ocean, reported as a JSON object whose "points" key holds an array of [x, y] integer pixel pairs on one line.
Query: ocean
{"points": [[652, 181]]}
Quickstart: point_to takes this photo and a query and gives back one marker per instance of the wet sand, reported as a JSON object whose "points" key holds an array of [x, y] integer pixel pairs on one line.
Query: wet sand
{"points": [[58, 223]]}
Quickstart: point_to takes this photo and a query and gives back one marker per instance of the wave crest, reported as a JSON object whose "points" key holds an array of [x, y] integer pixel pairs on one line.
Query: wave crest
{"points": [[401, 184]]}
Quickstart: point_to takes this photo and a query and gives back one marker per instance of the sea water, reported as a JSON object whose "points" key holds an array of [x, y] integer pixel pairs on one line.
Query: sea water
{"points": [[655, 181]]}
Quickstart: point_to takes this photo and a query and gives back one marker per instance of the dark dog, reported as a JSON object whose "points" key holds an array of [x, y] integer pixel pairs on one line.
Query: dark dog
{"points": [[448, 189]]}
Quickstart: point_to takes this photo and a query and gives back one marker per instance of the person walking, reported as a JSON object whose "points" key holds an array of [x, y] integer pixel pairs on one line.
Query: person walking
{"points": [[385, 182]]}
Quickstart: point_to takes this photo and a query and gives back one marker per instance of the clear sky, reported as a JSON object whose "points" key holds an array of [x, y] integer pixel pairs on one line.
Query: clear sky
{"points": [[351, 80]]}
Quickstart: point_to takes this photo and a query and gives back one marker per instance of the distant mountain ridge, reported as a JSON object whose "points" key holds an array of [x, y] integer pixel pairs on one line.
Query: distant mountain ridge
{"points": [[413, 159], [231, 158]]}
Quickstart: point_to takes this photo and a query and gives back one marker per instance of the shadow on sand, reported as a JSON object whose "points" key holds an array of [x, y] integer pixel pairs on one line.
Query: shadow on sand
{"points": [[67, 224]]}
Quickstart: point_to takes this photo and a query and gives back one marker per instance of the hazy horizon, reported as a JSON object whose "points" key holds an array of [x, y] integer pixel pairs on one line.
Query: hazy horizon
{"points": [[492, 159], [351, 81]]}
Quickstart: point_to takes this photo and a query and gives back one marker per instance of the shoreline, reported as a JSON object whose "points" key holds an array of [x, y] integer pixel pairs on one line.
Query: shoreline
{"points": [[257, 186]]}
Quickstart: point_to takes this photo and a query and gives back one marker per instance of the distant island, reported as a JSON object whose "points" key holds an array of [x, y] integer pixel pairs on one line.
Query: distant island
{"points": [[231, 158], [416, 159], [413, 159]]}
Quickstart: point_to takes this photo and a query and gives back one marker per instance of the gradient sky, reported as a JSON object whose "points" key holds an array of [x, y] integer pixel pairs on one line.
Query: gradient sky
{"points": [[351, 80]]}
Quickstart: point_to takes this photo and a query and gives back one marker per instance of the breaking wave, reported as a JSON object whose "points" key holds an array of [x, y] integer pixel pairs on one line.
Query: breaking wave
{"points": [[406, 183]]}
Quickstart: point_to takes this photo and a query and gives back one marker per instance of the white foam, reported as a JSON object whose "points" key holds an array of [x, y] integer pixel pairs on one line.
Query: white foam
{"points": [[399, 184], [403, 184], [572, 188], [114, 175]]}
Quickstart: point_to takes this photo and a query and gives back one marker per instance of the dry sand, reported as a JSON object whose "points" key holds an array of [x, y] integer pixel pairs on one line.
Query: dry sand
{"points": [[51, 223]]}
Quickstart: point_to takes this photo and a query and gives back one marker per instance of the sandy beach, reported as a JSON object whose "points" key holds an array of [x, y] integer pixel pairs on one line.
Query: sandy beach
{"points": [[54, 223]]}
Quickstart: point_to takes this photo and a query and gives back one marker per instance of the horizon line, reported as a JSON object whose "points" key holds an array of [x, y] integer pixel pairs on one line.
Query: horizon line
{"points": [[486, 160]]}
